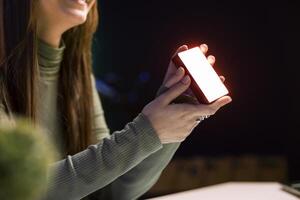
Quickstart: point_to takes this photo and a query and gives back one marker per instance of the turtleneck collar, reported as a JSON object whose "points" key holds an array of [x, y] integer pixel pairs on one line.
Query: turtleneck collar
{"points": [[49, 59]]}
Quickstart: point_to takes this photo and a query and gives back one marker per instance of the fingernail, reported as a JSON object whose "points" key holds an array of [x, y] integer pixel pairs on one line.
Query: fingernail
{"points": [[179, 71], [212, 58], [204, 47], [186, 80]]}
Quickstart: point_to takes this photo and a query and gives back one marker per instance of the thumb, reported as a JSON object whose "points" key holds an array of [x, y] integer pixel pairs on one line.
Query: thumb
{"points": [[176, 90], [180, 49]]}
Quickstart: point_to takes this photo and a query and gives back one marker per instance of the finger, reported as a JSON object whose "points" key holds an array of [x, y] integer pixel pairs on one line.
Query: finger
{"points": [[175, 78], [172, 68], [180, 49], [211, 59], [222, 78], [189, 92], [220, 103], [207, 110], [204, 48], [167, 97], [189, 111], [195, 123], [196, 111]]}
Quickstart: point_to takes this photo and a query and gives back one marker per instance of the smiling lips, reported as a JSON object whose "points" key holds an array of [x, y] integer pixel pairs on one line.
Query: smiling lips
{"points": [[86, 1], [82, 2]]}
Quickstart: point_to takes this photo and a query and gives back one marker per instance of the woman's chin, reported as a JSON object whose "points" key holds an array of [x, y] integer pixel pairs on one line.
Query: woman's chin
{"points": [[77, 17]]}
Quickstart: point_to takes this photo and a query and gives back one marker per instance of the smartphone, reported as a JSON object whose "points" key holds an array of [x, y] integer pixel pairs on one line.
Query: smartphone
{"points": [[206, 83]]}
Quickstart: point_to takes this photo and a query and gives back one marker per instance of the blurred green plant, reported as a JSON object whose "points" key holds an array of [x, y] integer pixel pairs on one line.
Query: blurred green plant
{"points": [[25, 154]]}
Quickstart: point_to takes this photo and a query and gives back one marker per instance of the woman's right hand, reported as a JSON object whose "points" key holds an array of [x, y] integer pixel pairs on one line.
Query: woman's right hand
{"points": [[174, 122]]}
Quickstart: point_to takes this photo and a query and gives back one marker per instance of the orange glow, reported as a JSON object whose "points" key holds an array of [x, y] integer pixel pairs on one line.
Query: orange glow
{"points": [[203, 74]]}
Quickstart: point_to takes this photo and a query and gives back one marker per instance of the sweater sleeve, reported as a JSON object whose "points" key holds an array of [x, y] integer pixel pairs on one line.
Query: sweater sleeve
{"points": [[139, 179], [100, 165]]}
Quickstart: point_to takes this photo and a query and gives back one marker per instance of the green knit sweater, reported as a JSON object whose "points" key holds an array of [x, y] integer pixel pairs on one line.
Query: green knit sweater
{"points": [[122, 165]]}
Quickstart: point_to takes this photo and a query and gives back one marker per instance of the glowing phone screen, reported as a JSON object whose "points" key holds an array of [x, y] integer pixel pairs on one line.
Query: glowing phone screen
{"points": [[203, 73]]}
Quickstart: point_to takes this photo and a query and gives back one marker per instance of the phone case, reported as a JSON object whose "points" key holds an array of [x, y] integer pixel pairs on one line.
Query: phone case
{"points": [[194, 86]]}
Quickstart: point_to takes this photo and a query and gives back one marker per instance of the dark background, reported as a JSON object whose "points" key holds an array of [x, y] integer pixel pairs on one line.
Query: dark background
{"points": [[256, 47]]}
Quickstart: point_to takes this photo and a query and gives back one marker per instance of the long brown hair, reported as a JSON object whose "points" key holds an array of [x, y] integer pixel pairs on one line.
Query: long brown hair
{"points": [[19, 72]]}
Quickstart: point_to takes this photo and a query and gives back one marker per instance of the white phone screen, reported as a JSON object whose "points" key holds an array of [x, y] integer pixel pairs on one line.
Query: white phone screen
{"points": [[203, 73]]}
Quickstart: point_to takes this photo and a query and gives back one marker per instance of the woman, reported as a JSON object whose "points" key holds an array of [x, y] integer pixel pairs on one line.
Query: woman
{"points": [[45, 58]]}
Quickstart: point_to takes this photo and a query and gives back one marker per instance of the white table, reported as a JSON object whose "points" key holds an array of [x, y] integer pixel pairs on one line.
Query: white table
{"points": [[234, 191]]}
